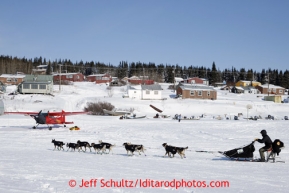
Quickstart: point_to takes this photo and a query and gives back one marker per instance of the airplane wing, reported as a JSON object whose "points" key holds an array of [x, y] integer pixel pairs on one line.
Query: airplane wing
{"points": [[50, 113], [67, 113], [22, 113]]}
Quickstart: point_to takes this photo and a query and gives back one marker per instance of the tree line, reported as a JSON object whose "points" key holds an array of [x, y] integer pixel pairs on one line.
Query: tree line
{"points": [[158, 73]]}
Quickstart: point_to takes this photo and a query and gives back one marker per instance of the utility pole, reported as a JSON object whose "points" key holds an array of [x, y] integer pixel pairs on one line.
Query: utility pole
{"points": [[142, 83], [127, 79], [59, 77], [268, 83], [174, 78]]}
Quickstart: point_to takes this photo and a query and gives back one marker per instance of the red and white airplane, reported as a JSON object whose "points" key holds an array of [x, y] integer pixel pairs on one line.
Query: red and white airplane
{"points": [[49, 118]]}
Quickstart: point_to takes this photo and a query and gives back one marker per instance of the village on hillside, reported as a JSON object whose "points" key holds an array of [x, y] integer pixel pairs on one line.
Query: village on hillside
{"points": [[187, 88]]}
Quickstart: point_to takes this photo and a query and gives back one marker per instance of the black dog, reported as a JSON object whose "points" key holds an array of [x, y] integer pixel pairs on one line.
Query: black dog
{"points": [[132, 147], [98, 147], [58, 144], [169, 150], [72, 146], [173, 150], [83, 144], [108, 146]]}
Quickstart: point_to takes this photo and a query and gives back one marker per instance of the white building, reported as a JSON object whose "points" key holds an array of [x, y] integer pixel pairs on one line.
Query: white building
{"points": [[178, 80], [146, 92], [36, 84]]}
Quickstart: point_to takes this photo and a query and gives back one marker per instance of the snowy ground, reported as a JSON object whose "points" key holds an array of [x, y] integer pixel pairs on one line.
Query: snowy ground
{"points": [[29, 164]]}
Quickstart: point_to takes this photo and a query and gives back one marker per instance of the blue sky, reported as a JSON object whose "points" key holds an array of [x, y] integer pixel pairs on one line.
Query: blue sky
{"points": [[250, 34]]}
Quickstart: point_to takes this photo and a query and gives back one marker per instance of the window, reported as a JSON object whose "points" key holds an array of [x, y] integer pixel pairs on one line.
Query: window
{"points": [[147, 92], [200, 93], [208, 93], [192, 92], [8, 79], [42, 86], [77, 77], [69, 76], [34, 86], [156, 92], [280, 91], [26, 86]]}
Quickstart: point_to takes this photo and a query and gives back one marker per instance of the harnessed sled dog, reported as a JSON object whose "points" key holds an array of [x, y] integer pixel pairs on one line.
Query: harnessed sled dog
{"points": [[133, 147], [108, 146], [72, 146], [98, 147], [58, 144], [173, 150], [83, 144]]}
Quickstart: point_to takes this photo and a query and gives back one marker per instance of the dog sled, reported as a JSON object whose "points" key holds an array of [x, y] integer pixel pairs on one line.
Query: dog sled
{"points": [[246, 152]]}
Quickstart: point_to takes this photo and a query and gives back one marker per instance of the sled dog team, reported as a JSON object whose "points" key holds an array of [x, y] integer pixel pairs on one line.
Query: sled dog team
{"points": [[102, 147]]}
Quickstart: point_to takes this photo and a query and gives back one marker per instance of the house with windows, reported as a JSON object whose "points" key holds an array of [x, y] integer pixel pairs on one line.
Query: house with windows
{"points": [[99, 78], [245, 90], [187, 91], [271, 89], [40, 69], [146, 92], [237, 89], [226, 87], [36, 84], [73, 77], [197, 80], [140, 80], [245, 83], [250, 90], [12, 79], [178, 80]]}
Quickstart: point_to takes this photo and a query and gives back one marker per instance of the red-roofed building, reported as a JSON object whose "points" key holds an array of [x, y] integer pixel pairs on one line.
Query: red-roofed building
{"points": [[73, 77], [12, 79], [99, 78], [197, 80], [140, 80]]}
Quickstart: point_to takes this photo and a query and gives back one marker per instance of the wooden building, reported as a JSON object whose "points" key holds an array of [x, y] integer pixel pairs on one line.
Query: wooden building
{"points": [[146, 92], [12, 79], [99, 78], [73, 77], [36, 84], [196, 92], [276, 90], [197, 80]]}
